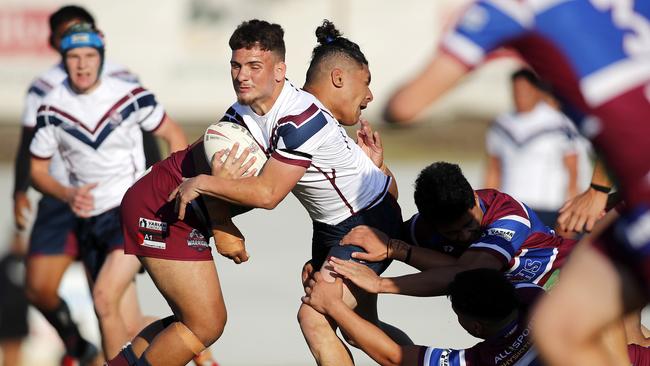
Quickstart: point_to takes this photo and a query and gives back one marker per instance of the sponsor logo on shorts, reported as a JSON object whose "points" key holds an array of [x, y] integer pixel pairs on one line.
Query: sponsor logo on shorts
{"points": [[197, 241], [152, 241], [153, 225], [151, 233], [503, 233]]}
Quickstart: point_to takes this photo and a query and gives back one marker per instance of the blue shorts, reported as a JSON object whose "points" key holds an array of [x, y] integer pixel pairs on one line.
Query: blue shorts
{"points": [[98, 236], [385, 216], [54, 229]]}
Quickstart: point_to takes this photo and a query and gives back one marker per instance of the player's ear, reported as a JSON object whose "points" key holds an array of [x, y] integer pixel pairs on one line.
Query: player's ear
{"points": [[280, 71], [336, 75]]}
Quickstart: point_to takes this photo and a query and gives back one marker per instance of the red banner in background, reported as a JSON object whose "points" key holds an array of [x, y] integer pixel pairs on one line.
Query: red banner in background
{"points": [[24, 31]]}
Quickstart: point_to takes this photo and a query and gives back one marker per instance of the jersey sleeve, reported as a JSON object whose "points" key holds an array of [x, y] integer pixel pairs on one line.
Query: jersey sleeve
{"points": [[484, 27], [505, 235], [430, 356], [34, 98], [299, 136], [45, 143], [150, 113], [494, 140]]}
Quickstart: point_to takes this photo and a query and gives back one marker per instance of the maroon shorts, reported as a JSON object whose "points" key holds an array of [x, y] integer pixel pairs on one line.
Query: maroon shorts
{"points": [[151, 226], [624, 141]]}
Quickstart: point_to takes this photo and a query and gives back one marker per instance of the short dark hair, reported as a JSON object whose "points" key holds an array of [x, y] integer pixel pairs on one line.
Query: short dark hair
{"points": [[483, 294], [259, 33], [442, 194], [331, 42], [532, 78], [66, 14]]}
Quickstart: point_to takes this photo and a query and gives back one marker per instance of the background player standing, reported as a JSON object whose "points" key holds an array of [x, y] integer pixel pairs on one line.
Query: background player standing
{"points": [[95, 123]]}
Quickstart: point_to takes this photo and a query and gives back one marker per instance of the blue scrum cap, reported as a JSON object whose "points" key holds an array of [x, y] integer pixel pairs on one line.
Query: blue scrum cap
{"points": [[81, 35]]}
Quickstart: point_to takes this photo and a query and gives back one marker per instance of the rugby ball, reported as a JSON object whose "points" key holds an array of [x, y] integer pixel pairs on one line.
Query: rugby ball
{"points": [[223, 135]]}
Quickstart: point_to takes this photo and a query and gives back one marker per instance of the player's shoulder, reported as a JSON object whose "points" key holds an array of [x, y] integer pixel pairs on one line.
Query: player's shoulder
{"points": [[57, 96], [499, 206], [300, 106], [47, 80], [115, 88], [118, 71]]}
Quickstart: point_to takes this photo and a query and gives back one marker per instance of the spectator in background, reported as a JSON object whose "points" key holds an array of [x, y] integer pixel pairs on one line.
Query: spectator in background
{"points": [[13, 303], [535, 152]]}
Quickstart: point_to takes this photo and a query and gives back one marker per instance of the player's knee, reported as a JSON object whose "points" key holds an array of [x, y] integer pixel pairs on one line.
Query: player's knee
{"points": [[41, 294], [105, 302], [310, 320], [208, 327]]}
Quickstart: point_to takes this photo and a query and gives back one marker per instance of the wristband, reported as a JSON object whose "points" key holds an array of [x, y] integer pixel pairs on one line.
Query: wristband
{"points": [[407, 259], [599, 188]]}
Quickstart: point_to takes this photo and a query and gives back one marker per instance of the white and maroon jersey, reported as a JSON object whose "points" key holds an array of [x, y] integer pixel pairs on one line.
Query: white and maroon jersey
{"points": [[591, 51], [340, 179], [98, 135], [513, 233], [513, 346], [45, 83]]}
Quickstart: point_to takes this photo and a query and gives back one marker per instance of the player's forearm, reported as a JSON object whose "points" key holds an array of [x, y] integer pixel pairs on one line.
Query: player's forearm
{"points": [[245, 191], [22, 163], [443, 72], [571, 164], [173, 135], [372, 340], [420, 258], [45, 184], [493, 173], [432, 282], [600, 176]]}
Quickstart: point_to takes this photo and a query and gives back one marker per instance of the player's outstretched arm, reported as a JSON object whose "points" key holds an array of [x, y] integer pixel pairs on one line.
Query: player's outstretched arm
{"points": [[440, 75], [172, 133], [432, 282], [378, 247], [326, 297]]}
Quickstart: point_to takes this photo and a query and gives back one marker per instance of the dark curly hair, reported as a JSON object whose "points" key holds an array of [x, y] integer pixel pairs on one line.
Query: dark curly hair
{"points": [[259, 33], [483, 294], [442, 194], [332, 43]]}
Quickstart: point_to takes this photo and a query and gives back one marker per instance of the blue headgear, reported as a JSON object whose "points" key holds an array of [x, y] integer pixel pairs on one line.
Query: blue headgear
{"points": [[83, 35]]}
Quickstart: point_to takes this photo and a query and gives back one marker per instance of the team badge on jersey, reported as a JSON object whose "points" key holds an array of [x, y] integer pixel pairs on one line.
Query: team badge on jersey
{"points": [[197, 241], [115, 119], [151, 233]]}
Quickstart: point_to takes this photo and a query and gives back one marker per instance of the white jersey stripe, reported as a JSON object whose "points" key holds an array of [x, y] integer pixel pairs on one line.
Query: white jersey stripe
{"points": [[463, 48], [493, 247], [516, 218], [549, 266], [615, 79]]}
